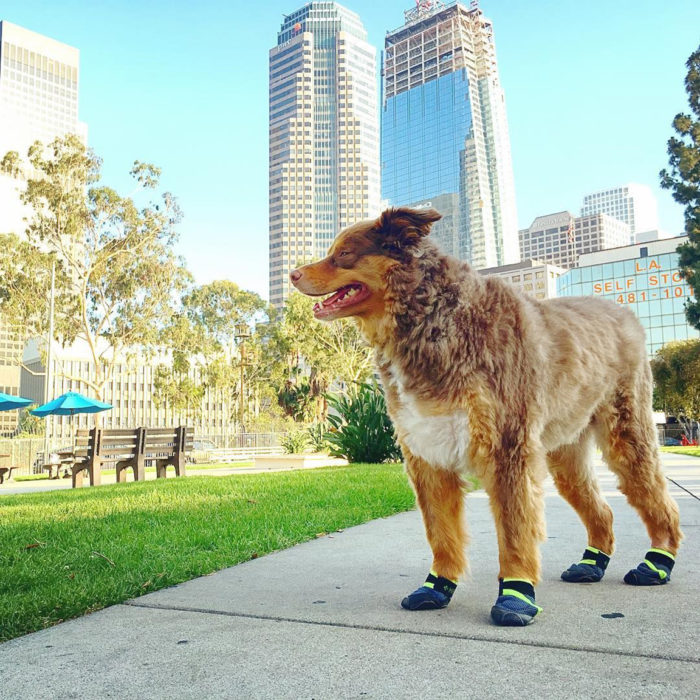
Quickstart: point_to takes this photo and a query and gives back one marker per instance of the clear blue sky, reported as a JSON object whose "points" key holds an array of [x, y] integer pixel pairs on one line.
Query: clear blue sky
{"points": [[591, 90]]}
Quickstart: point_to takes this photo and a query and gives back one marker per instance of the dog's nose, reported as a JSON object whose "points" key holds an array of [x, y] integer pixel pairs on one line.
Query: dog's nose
{"points": [[295, 275]]}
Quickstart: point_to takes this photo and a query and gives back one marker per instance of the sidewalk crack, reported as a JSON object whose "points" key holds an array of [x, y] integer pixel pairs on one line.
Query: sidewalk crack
{"points": [[396, 630]]}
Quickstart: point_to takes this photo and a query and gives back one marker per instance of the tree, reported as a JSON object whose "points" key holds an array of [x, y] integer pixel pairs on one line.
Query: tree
{"points": [[203, 339], [318, 354], [116, 271], [676, 370], [684, 180]]}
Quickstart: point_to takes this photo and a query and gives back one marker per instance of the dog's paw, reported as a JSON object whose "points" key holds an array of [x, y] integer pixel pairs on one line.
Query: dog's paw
{"points": [[655, 570], [425, 598], [643, 575], [509, 611], [590, 569], [583, 573]]}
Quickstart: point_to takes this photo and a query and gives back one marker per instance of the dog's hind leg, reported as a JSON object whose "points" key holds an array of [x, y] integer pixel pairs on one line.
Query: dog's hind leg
{"points": [[627, 437], [572, 470], [440, 498]]}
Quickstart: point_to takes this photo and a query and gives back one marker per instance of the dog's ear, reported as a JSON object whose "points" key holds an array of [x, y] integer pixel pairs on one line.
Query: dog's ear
{"points": [[401, 227]]}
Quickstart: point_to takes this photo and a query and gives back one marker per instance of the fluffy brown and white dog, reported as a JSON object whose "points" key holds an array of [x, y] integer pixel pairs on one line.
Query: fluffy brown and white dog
{"points": [[481, 379]]}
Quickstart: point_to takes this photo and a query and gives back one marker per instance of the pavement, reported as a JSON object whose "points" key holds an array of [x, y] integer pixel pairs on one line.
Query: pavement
{"points": [[323, 620]]}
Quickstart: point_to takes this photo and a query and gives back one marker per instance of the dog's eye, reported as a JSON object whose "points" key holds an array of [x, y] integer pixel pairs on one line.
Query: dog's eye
{"points": [[343, 253]]}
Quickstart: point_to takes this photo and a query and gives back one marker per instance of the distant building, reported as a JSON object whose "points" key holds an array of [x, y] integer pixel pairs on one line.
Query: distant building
{"points": [[649, 236], [530, 276], [632, 203], [560, 239], [324, 136], [39, 89], [445, 141], [644, 278], [39, 81], [131, 392]]}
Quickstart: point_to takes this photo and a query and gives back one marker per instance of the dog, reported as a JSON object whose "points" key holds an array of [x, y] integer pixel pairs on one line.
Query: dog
{"points": [[484, 380]]}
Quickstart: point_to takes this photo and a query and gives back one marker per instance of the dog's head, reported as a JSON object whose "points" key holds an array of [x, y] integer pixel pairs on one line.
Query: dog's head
{"points": [[354, 273]]}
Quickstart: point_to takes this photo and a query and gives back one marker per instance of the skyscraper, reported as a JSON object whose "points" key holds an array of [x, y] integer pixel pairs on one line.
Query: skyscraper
{"points": [[38, 101], [560, 238], [445, 137], [324, 135], [634, 204]]}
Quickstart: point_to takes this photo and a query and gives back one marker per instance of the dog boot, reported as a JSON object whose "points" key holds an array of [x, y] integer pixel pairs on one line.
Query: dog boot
{"points": [[655, 570], [434, 594], [515, 605], [590, 569]]}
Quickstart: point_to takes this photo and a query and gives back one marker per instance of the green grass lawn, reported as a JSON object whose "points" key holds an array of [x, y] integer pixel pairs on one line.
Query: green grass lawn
{"points": [[692, 451], [66, 553]]}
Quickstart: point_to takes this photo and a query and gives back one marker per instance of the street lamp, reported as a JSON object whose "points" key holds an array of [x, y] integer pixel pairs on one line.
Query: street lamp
{"points": [[241, 334]]}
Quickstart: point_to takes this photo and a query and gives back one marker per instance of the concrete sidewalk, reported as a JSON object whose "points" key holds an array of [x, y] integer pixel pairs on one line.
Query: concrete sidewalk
{"points": [[323, 620]]}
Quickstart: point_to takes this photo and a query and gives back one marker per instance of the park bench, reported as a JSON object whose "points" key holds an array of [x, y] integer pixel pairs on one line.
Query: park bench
{"points": [[129, 448], [6, 472]]}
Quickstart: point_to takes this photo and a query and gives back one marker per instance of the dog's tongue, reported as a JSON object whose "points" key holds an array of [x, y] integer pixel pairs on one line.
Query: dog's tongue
{"points": [[334, 300], [338, 296]]}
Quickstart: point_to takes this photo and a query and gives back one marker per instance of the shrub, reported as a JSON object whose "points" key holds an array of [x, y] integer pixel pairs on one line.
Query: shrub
{"points": [[361, 431], [295, 442], [317, 437]]}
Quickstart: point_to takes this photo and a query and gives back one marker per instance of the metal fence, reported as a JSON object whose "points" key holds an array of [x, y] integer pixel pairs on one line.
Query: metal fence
{"points": [[28, 453], [234, 440]]}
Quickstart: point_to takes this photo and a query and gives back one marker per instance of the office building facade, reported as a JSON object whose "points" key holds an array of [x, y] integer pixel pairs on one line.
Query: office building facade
{"points": [[538, 279], [131, 390], [39, 90], [643, 277], [561, 239], [324, 136], [632, 203], [445, 141]]}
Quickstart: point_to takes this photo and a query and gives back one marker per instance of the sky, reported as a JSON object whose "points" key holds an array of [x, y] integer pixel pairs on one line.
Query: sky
{"points": [[591, 91]]}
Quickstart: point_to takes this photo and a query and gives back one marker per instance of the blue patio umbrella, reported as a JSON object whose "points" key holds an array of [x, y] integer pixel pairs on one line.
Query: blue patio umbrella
{"points": [[69, 404], [9, 402]]}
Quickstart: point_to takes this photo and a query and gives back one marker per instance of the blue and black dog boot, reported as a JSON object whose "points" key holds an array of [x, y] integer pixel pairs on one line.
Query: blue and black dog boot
{"points": [[434, 594], [655, 570], [590, 569], [515, 605]]}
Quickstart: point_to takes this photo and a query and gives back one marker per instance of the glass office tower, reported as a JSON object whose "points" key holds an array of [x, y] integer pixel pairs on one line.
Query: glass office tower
{"points": [[324, 136], [445, 138]]}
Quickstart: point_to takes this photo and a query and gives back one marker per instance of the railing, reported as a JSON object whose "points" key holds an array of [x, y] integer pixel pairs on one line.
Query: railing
{"points": [[23, 452], [231, 440], [28, 453], [234, 447]]}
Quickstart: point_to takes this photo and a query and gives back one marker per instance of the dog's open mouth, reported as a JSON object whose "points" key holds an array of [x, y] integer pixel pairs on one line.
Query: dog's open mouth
{"points": [[341, 299]]}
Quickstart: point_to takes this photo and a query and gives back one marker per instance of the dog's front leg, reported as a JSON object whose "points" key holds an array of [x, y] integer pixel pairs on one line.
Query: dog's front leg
{"points": [[517, 504], [440, 497]]}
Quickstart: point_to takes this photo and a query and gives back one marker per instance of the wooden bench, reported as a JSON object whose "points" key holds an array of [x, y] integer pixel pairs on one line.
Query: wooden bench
{"points": [[6, 471], [129, 448]]}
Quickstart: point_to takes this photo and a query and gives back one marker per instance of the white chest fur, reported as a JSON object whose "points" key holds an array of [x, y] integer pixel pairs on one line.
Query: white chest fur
{"points": [[441, 440]]}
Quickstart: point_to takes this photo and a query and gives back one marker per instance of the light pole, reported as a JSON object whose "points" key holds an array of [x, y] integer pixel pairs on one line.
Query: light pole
{"points": [[48, 374], [241, 334]]}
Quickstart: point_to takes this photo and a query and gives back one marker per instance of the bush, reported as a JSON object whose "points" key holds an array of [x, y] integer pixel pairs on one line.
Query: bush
{"points": [[361, 431], [317, 437], [295, 442]]}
